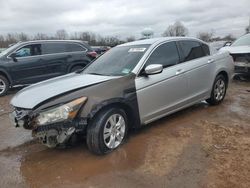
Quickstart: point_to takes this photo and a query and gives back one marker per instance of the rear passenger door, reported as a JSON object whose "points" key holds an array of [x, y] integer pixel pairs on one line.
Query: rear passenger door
{"points": [[165, 92], [198, 66], [55, 58]]}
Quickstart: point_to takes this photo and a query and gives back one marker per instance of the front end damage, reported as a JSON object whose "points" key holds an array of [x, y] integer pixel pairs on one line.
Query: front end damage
{"points": [[51, 132], [242, 62]]}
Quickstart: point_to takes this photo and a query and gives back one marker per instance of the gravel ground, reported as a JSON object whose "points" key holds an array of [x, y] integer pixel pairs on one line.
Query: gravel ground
{"points": [[202, 146]]}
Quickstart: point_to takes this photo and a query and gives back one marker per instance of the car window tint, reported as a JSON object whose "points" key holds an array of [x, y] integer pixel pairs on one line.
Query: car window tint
{"points": [[51, 48], [29, 50], [191, 50], [74, 48], [166, 55]]}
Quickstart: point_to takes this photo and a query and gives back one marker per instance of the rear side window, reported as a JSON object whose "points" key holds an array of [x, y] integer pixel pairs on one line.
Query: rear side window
{"points": [[166, 55], [29, 50], [191, 50], [75, 48], [52, 48]]}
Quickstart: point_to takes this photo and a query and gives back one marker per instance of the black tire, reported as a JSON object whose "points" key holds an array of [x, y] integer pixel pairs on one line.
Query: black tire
{"points": [[95, 131], [214, 100], [4, 85], [76, 68]]}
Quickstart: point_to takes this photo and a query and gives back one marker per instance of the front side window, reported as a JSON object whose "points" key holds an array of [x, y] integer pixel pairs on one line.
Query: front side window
{"points": [[29, 50], [118, 61], [52, 48], [191, 50], [166, 55]]}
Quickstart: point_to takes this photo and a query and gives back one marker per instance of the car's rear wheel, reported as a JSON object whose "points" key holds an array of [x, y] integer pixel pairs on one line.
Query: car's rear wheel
{"points": [[4, 85], [219, 90], [107, 131]]}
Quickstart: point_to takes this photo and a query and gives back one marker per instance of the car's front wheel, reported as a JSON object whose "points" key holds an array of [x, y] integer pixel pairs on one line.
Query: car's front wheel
{"points": [[4, 85], [219, 90], [107, 131]]}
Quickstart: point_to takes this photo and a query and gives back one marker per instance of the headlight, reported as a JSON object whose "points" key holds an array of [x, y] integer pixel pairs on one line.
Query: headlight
{"points": [[61, 113]]}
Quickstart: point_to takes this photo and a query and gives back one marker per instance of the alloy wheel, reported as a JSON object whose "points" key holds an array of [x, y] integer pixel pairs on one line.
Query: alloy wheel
{"points": [[219, 89], [2, 86], [114, 131]]}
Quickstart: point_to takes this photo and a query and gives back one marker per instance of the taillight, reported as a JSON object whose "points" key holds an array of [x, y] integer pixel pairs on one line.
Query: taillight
{"points": [[92, 54]]}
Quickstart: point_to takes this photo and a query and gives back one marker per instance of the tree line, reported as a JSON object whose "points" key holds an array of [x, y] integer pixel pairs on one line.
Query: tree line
{"points": [[90, 37], [176, 29]]}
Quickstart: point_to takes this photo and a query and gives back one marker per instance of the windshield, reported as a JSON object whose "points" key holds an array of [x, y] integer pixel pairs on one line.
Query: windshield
{"points": [[242, 41], [118, 61], [9, 49]]}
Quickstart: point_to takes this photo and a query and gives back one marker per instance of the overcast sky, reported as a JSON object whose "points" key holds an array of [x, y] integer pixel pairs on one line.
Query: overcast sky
{"points": [[123, 17]]}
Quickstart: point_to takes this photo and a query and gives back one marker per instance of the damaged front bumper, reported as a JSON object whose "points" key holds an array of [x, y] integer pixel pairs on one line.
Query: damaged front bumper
{"points": [[242, 67], [52, 134]]}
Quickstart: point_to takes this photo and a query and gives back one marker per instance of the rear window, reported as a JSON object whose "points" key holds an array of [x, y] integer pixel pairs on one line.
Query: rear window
{"points": [[52, 48], [191, 50]]}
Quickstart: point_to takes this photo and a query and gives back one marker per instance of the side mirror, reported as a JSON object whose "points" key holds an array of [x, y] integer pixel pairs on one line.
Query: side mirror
{"points": [[227, 44], [13, 56], [153, 69]]}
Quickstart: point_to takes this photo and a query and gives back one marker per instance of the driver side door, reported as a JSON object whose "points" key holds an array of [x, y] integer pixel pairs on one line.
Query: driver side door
{"points": [[163, 93], [28, 66]]}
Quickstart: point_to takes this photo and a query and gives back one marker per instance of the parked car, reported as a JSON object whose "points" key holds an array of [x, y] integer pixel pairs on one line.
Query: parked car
{"points": [[30, 62], [131, 85], [240, 51]]}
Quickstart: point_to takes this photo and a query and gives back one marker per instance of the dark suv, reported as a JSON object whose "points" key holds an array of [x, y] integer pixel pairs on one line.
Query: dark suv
{"points": [[29, 62]]}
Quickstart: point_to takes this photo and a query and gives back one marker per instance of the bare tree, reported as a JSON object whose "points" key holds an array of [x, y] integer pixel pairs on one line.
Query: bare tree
{"points": [[22, 37], [177, 29], [206, 36], [90, 37], [40, 36], [130, 39], [229, 37], [61, 34]]}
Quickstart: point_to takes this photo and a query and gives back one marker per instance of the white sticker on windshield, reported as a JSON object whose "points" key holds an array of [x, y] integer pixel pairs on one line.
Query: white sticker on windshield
{"points": [[137, 49]]}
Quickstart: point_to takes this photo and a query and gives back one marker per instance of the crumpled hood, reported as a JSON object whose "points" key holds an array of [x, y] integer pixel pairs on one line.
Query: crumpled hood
{"points": [[236, 49], [33, 95]]}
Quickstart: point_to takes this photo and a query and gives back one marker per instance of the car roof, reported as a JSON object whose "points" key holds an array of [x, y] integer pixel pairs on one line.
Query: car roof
{"points": [[158, 40], [42, 41]]}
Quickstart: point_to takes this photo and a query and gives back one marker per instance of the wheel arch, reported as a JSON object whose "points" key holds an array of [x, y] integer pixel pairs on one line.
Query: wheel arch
{"points": [[6, 75], [78, 63], [225, 74], [133, 119]]}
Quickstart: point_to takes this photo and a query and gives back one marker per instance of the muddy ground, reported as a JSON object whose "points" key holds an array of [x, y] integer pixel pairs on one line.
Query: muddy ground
{"points": [[202, 146]]}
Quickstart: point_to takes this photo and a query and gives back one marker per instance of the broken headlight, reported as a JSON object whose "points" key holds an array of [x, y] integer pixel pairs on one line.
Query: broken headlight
{"points": [[61, 113]]}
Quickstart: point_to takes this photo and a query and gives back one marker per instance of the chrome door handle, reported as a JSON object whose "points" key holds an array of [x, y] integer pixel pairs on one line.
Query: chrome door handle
{"points": [[210, 61], [179, 71]]}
